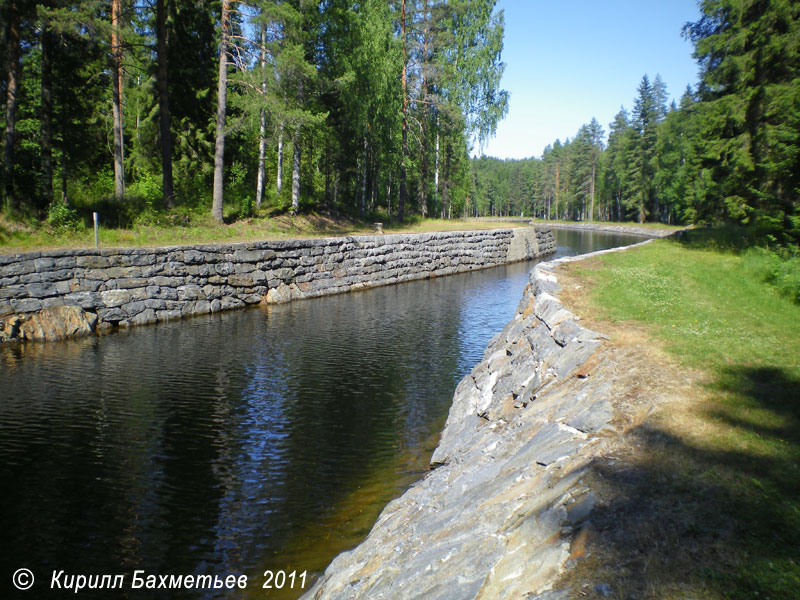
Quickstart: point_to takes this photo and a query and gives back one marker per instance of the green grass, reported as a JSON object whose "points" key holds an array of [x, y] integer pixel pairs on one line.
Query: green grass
{"points": [[201, 228], [780, 270], [711, 510], [704, 304], [624, 223]]}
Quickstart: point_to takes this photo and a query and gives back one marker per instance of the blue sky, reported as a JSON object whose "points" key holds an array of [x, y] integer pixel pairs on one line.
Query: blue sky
{"points": [[570, 60]]}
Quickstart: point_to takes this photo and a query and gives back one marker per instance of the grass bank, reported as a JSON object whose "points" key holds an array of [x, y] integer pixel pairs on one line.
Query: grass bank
{"points": [[202, 229], [658, 226], [703, 501]]}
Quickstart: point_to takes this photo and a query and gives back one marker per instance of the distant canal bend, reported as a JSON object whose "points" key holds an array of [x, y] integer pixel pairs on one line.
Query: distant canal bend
{"points": [[239, 442]]}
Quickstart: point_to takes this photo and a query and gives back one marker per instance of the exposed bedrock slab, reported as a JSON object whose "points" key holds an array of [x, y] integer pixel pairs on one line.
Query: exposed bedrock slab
{"points": [[48, 324], [650, 232], [124, 287], [495, 516]]}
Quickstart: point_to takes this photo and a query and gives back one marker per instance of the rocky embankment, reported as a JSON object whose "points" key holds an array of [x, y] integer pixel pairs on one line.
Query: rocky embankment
{"points": [[61, 293], [650, 232], [499, 513]]}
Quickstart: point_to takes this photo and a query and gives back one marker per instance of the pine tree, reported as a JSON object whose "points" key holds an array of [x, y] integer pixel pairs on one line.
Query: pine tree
{"points": [[164, 117], [617, 162], [645, 121], [12, 36], [222, 105], [116, 99]]}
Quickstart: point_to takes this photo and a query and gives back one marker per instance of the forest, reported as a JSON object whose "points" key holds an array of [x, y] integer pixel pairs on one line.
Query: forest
{"points": [[165, 107], [162, 109], [727, 152]]}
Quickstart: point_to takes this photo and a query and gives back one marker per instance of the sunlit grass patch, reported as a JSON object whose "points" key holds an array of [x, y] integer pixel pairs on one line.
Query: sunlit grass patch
{"points": [[202, 229], [708, 506], [780, 270]]}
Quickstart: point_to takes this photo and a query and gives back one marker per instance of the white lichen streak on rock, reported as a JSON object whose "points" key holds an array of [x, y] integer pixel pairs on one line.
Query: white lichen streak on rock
{"points": [[495, 516]]}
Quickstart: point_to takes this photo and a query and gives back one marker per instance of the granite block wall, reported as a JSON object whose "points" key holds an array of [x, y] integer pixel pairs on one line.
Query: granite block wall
{"points": [[122, 287]]}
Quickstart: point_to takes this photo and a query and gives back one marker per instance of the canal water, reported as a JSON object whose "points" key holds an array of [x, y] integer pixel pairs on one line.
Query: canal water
{"points": [[254, 440]]}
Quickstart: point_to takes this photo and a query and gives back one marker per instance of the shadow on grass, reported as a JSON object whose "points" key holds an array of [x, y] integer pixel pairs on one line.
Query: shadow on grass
{"points": [[725, 238], [717, 521]]}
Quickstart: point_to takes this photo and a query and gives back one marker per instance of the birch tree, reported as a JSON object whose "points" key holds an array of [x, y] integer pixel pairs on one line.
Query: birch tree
{"points": [[222, 99]]}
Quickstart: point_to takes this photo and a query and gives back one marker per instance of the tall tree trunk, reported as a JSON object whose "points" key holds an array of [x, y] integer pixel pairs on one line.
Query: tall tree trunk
{"points": [[423, 171], [12, 41], [46, 123], [335, 188], [363, 201], [296, 171], [558, 172], [404, 78], [436, 167], [164, 116], [445, 191], [389, 194], [262, 123], [279, 174], [656, 215], [64, 197], [641, 215], [373, 197], [424, 166], [591, 205], [328, 173], [116, 100], [222, 100], [423, 180]]}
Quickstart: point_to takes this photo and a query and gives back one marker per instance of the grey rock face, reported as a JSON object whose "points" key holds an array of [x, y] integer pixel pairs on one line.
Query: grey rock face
{"points": [[493, 517], [650, 232], [116, 284], [54, 323]]}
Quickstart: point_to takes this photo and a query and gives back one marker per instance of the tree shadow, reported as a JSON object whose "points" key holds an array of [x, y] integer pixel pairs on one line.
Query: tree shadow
{"points": [[725, 238], [714, 519]]}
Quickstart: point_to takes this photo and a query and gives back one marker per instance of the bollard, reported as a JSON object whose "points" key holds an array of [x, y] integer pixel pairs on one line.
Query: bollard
{"points": [[96, 224], [378, 227]]}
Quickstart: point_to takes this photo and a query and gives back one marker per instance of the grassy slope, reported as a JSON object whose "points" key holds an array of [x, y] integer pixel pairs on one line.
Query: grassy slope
{"points": [[19, 238], [708, 506], [624, 223]]}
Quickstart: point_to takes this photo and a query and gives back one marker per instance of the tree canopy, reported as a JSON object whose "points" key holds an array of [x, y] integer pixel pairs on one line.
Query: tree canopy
{"points": [[729, 151], [286, 104], [375, 105]]}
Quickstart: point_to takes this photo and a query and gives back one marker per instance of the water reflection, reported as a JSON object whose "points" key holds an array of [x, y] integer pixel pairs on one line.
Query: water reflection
{"points": [[571, 242]]}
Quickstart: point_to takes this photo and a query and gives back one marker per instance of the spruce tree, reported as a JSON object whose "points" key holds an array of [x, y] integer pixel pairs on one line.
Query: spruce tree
{"points": [[749, 111]]}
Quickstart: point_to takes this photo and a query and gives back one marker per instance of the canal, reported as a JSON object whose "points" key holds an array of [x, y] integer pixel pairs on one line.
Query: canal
{"points": [[254, 440]]}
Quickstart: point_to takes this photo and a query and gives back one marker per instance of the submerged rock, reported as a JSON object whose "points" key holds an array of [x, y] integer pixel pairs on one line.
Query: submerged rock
{"points": [[56, 323]]}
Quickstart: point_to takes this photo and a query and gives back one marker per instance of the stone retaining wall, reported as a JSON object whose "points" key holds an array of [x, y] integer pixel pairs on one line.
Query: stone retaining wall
{"points": [[651, 232], [54, 294], [505, 500]]}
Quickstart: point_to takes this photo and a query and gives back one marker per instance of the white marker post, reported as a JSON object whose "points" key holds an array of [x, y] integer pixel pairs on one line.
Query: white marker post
{"points": [[96, 225]]}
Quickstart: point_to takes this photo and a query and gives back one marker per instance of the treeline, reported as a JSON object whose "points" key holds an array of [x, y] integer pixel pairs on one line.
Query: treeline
{"points": [[585, 178], [168, 105], [728, 151]]}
